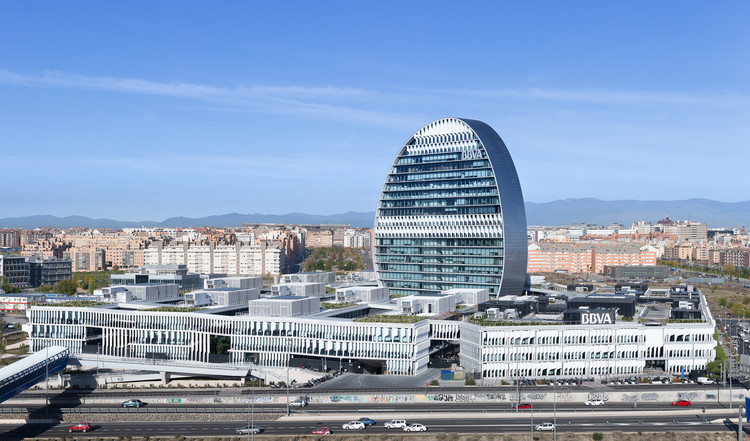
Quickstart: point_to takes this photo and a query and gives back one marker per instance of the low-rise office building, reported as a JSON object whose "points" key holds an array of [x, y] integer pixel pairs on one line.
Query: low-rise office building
{"points": [[621, 272], [365, 338], [19, 302], [163, 274]]}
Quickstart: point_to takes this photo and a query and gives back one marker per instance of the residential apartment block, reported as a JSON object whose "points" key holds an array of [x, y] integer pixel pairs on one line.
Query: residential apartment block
{"points": [[219, 259], [575, 257]]}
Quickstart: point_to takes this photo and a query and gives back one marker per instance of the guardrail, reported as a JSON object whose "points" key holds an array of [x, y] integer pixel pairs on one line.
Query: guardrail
{"points": [[98, 393], [160, 410], [147, 410]]}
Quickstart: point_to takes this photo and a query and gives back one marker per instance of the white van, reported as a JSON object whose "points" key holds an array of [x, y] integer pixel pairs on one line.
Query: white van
{"points": [[395, 424], [703, 380]]}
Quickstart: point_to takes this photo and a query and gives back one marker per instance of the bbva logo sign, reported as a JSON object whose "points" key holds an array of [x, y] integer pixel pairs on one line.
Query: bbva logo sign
{"points": [[598, 318]]}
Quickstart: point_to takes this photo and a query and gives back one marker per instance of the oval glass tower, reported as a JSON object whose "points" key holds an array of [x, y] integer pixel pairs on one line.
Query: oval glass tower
{"points": [[451, 214]]}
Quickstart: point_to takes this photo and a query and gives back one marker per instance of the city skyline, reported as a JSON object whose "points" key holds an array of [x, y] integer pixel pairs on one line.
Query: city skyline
{"points": [[153, 111]]}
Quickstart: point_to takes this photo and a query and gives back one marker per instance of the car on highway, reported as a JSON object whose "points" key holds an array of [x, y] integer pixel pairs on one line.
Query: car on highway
{"points": [[395, 424], [321, 431], [681, 403], [132, 403], [80, 427], [416, 427], [299, 402], [522, 405], [354, 425], [249, 429], [594, 402], [545, 427], [367, 421]]}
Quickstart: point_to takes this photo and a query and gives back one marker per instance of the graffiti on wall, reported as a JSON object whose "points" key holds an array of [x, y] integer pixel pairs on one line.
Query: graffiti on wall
{"points": [[347, 398], [598, 396]]}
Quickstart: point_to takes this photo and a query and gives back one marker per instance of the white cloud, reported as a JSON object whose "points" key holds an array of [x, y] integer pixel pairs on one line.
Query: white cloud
{"points": [[604, 96], [338, 103]]}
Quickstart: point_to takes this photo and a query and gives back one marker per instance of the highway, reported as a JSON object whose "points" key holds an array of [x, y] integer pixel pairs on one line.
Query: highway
{"points": [[687, 420], [457, 417], [333, 408]]}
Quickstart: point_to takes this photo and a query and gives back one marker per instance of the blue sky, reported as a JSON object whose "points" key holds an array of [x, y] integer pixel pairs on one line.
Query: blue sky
{"points": [[147, 110]]}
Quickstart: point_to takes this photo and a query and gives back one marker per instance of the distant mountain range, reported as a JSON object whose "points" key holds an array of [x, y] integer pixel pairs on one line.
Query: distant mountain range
{"points": [[563, 212], [353, 218], [594, 211]]}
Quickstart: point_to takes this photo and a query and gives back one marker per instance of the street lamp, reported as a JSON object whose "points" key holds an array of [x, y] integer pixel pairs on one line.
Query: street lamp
{"points": [[251, 413], [554, 398], [288, 411]]}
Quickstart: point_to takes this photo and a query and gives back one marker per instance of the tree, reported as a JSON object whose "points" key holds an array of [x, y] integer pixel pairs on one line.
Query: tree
{"points": [[65, 287], [730, 270], [267, 279], [714, 367], [7, 287], [90, 284]]}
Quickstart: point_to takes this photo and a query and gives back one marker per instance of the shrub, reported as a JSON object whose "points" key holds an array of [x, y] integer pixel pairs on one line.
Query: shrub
{"points": [[597, 436], [470, 382], [434, 382]]}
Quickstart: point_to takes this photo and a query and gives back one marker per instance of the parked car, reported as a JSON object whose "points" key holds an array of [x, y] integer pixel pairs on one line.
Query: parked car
{"points": [[681, 403], [354, 425], [80, 427], [594, 402], [416, 427], [545, 427], [133, 403], [245, 430], [395, 424], [321, 431], [367, 421], [522, 405]]}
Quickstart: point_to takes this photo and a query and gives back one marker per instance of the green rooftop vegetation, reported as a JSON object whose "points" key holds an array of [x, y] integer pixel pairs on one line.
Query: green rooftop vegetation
{"points": [[173, 309], [331, 305], [486, 322], [74, 304], [381, 318]]}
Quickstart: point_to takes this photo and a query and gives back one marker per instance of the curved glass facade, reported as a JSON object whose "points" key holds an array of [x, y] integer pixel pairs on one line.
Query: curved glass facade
{"points": [[450, 214]]}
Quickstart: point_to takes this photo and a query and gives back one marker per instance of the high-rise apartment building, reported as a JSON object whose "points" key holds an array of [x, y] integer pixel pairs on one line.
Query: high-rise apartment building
{"points": [[451, 214]]}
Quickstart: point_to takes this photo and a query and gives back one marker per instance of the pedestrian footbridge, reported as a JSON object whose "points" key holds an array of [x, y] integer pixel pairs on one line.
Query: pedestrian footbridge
{"points": [[25, 373]]}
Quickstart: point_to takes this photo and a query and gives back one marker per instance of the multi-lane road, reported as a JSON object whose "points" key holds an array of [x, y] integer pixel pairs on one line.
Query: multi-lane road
{"points": [[455, 417], [686, 421], [438, 417]]}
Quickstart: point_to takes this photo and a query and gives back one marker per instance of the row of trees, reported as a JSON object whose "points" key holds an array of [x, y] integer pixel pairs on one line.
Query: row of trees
{"points": [[328, 258], [728, 270]]}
